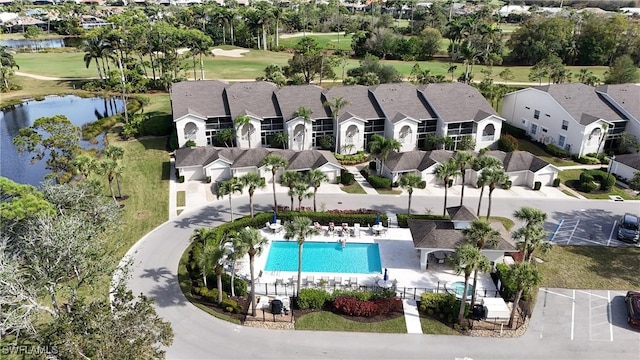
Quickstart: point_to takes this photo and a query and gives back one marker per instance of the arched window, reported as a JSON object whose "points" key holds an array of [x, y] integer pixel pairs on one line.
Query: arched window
{"points": [[489, 132], [298, 133], [190, 131], [352, 134], [405, 134], [594, 136]]}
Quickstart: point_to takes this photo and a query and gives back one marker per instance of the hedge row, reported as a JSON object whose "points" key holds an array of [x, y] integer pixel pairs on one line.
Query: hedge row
{"points": [[402, 218], [365, 303], [587, 178], [443, 306], [556, 151]]}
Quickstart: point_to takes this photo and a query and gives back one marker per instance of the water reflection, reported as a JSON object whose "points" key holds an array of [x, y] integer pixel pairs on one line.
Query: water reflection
{"points": [[79, 111], [42, 43]]}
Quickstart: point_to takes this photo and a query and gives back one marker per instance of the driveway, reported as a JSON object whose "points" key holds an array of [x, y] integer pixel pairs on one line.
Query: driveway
{"points": [[200, 336]]}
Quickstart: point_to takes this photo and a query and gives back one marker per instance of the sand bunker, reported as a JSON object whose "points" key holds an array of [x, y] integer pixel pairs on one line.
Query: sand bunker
{"points": [[235, 53]]}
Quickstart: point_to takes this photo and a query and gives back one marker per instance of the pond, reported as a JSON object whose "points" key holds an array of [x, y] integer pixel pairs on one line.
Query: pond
{"points": [[42, 43], [79, 111]]}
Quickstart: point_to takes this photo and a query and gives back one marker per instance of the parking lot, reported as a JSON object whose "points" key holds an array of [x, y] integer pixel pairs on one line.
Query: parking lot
{"points": [[577, 231], [593, 315]]}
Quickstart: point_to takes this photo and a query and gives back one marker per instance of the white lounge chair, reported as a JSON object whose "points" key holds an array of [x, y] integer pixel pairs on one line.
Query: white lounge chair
{"points": [[353, 282], [310, 281], [337, 281], [356, 229]]}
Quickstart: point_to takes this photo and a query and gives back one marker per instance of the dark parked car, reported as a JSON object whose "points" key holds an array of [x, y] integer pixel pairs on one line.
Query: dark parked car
{"points": [[629, 228], [632, 300]]}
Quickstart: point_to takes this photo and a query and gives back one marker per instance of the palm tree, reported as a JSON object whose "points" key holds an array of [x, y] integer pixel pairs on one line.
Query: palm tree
{"points": [[244, 122], [462, 159], [229, 187], [107, 167], [299, 228], [84, 164], [239, 250], [480, 233], [253, 181], [467, 259], [7, 63], [305, 114], [226, 136], [336, 105], [532, 232], [301, 191], [409, 182], [445, 172], [203, 236], [525, 276], [251, 239], [382, 146], [116, 153], [478, 164], [289, 178], [214, 254], [493, 177], [274, 162], [95, 49], [315, 178]]}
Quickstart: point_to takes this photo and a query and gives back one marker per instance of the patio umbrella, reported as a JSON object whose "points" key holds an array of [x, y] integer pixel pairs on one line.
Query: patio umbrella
{"points": [[275, 217], [386, 274], [378, 218]]}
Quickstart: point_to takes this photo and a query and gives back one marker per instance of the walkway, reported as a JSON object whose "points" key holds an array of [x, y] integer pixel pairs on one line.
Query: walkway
{"points": [[411, 316], [361, 180]]}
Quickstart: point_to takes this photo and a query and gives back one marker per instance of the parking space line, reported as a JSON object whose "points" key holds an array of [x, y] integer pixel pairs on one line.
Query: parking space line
{"points": [[553, 235], [615, 222], [573, 231], [573, 312], [563, 295], [592, 294], [609, 317], [587, 240]]}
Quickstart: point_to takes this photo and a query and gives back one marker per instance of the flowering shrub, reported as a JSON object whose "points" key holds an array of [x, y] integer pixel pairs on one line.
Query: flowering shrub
{"points": [[350, 305]]}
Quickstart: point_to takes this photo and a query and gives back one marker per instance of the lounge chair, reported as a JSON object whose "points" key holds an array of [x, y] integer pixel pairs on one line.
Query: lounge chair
{"points": [[356, 229], [324, 280], [337, 281], [310, 281], [353, 282], [279, 282]]}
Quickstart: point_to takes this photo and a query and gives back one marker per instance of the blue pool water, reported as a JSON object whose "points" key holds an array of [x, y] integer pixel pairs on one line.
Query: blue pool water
{"points": [[325, 257], [457, 288]]}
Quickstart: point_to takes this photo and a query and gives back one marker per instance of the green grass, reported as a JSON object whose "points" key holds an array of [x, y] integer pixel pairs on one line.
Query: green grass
{"points": [[354, 188], [591, 267], [389, 191], [570, 178], [328, 41], [435, 327], [181, 199], [328, 321], [506, 222], [527, 145]]}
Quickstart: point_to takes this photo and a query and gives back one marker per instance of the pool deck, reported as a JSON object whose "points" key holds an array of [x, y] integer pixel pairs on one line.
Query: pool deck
{"points": [[397, 254]]}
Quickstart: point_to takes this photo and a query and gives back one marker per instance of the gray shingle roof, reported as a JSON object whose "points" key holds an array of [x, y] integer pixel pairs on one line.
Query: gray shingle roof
{"points": [[518, 160], [440, 234], [402, 99], [290, 98], [361, 101], [408, 161], [204, 98], [456, 102], [626, 95], [195, 156], [581, 102], [461, 213], [631, 160], [253, 97]]}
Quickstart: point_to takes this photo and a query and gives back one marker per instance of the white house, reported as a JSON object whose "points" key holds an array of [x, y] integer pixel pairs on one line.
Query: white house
{"points": [[625, 166], [570, 116], [624, 98]]}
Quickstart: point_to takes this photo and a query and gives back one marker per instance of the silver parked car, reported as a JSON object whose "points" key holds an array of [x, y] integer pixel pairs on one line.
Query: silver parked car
{"points": [[629, 228]]}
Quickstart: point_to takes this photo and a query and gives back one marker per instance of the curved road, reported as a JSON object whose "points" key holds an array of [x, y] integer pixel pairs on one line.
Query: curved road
{"points": [[201, 336]]}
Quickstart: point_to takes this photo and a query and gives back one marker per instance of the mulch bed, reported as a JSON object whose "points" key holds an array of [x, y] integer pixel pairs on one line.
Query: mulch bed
{"points": [[361, 319]]}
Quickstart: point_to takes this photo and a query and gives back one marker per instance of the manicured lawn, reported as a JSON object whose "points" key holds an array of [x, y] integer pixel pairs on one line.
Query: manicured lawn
{"points": [[354, 188], [328, 321], [591, 267], [389, 191], [527, 145], [32, 88], [435, 327], [506, 222], [181, 201], [329, 41], [570, 178]]}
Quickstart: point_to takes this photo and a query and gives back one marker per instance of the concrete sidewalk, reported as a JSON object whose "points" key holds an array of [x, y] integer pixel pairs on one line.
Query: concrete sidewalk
{"points": [[411, 316]]}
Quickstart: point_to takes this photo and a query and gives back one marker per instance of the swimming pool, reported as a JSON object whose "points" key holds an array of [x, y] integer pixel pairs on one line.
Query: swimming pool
{"points": [[325, 257], [457, 288]]}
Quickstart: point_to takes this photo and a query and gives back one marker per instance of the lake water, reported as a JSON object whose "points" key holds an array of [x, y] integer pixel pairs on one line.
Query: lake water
{"points": [[42, 43], [79, 111]]}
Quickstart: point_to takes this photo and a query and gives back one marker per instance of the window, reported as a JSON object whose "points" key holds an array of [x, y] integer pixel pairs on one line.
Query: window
{"points": [[565, 125], [561, 141], [536, 114], [534, 129], [528, 108], [544, 130]]}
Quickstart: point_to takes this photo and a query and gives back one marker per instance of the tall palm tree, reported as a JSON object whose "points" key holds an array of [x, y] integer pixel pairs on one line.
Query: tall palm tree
{"points": [[525, 276], [299, 228], [84, 164], [203, 236], [274, 162], [478, 164], [107, 167], [289, 179], [237, 253], [7, 63], [480, 234], [214, 254], [229, 187], [226, 136], [305, 114], [116, 153], [244, 122], [301, 191], [95, 49], [445, 172], [336, 105], [252, 181], [252, 240], [467, 259], [382, 146], [462, 159], [532, 233], [493, 177], [315, 178], [409, 182]]}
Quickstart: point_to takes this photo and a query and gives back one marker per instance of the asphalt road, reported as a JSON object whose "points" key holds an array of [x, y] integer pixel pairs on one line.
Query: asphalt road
{"points": [[200, 336]]}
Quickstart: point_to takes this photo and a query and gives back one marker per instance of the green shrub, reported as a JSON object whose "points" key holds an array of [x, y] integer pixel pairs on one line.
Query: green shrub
{"points": [[402, 218], [588, 187], [507, 143], [362, 295], [586, 160], [208, 180], [211, 295], [556, 151], [347, 178], [181, 179], [537, 185], [312, 298], [239, 285], [190, 143], [352, 159], [556, 182], [444, 305], [507, 185], [587, 177], [230, 305], [422, 184], [512, 130], [379, 182], [508, 287]]}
